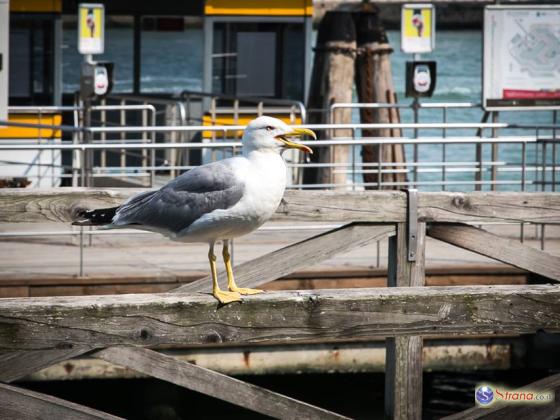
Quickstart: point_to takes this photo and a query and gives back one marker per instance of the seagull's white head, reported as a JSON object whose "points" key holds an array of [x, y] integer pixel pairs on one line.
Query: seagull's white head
{"points": [[271, 134]]}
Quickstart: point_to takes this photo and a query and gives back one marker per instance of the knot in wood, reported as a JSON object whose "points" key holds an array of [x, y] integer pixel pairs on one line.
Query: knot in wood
{"points": [[214, 337], [145, 334], [459, 201], [313, 301]]}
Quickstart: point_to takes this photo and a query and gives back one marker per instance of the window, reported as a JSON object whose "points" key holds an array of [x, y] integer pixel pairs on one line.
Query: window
{"points": [[31, 80], [259, 59]]}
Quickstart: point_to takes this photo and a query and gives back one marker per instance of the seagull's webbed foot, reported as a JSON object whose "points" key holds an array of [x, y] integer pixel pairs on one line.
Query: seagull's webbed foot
{"points": [[244, 290], [226, 297]]}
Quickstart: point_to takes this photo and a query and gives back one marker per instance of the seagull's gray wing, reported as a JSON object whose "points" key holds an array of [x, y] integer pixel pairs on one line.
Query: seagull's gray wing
{"points": [[183, 200]]}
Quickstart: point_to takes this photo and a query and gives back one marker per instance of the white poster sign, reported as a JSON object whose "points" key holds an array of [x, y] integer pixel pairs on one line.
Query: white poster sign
{"points": [[521, 57], [417, 28], [91, 28]]}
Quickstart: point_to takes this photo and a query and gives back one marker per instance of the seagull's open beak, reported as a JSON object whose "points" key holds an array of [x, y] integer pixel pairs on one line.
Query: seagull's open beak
{"points": [[297, 132]]}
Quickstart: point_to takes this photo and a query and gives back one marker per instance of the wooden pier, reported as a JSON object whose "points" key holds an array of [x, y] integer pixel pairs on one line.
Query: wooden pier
{"points": [[127, 330]]}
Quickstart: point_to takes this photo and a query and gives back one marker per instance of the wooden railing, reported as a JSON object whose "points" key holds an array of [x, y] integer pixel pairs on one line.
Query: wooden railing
{"points": [[38, 332]]}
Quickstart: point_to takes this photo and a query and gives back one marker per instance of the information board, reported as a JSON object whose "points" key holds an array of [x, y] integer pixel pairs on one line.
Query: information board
{"points": [[521, 57], [417, 28], [91, 28]]}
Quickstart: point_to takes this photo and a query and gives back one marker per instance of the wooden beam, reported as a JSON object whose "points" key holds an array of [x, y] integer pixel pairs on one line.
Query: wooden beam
{"points": [[17, 364], [519, 411], [56, 204], [212, 383], [280, 317], [506, 250], [22, 404], [288, 259], [62, 205], [403, 378]]}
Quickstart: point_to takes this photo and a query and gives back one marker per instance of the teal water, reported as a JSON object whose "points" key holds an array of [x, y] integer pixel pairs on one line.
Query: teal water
{"points": [[172, 62]]}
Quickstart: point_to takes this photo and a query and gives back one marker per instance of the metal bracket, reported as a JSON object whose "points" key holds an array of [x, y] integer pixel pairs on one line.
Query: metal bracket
{"points": [[411, 223]]}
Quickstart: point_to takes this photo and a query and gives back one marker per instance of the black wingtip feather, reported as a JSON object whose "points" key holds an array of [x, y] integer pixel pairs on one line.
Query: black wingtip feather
{"points": [[98, 217]]}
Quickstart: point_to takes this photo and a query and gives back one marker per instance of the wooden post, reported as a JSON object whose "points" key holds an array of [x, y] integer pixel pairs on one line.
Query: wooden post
{"points": [[374, 83], [403, 365], [332, 81]]}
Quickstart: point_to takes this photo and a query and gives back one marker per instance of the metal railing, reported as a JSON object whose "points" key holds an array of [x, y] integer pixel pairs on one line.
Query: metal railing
{"points": [[353, 168]]}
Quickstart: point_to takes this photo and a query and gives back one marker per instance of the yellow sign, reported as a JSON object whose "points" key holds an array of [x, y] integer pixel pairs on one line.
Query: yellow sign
{"points": [[259, 7], [417, 28], [91, 28]]}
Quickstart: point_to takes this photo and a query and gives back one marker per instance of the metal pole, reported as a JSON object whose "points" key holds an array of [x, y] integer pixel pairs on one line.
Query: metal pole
{"points": [[87, 139], [494, 152], [81, 251], [444, 152], [415, 108]]}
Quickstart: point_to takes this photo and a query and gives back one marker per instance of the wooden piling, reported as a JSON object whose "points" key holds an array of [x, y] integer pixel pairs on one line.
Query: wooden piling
{"points": [[374, 83], [332, 81]]}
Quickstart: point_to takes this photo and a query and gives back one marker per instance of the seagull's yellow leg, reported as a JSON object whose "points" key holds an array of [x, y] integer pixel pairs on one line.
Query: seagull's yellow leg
{"points": [[231, 281], [223, 296]]}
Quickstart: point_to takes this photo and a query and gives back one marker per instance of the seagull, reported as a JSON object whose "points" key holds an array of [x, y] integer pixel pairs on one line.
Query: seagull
{"points": [[215, 202]]}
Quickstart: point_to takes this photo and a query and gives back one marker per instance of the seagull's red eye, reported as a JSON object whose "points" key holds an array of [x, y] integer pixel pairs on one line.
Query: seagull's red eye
{"points": [[269, 128]]}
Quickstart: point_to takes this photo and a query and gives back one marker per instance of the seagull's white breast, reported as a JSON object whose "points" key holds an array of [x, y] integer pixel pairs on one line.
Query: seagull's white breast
{"points": [[264, 177]]}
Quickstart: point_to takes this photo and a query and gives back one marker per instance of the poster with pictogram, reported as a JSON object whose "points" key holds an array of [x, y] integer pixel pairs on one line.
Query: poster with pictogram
{"points": [[417, 28], [91, 28]]}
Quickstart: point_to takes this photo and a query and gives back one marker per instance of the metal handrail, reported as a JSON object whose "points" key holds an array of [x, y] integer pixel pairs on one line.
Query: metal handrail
{"points": [[315, 143], [251, 99]]}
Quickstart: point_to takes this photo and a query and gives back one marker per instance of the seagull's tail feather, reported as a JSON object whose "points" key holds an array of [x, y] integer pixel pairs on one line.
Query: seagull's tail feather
{"points": [[98, 217]]}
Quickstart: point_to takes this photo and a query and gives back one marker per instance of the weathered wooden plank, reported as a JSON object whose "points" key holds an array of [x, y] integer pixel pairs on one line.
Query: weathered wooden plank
{"points": [[215, 384], [17, 364], [519, 411], [507, 207], [22, 404], [403, 378], [286, 317], [506, 250], [62, 204], [288, 259], [56, 204], [401, 272]]}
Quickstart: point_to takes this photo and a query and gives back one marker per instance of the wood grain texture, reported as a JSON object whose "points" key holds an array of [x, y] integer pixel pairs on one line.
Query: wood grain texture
{"points": [[279, 317], [331, 82], [212, 383], [506, 250], [401, 272], [518, 411], [403, 379], [17, 364], [56, 204], [62, 204], [22, 404], [288, 259]]}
